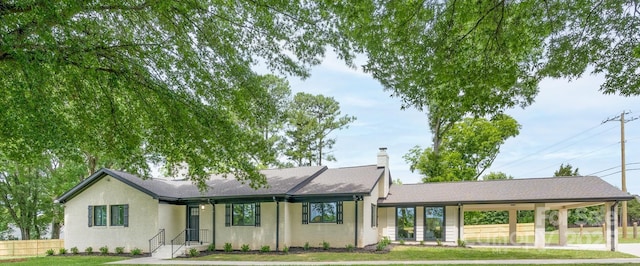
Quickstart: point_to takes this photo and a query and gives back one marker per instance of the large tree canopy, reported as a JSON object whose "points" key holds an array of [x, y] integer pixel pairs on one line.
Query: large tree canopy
{"points": [[141, 81]]}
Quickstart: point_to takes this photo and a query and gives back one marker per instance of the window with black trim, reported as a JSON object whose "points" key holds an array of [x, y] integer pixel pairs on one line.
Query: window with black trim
{"points": [[374, 215], [100, 215], [243, 214], [120, 215], [323, 212]]}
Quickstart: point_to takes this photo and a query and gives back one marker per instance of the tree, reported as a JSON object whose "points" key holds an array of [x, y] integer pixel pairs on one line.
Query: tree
{"points": [[566, 170], [311, 119], [150, 81], [496, 176], [468, 149], [634, 210]]}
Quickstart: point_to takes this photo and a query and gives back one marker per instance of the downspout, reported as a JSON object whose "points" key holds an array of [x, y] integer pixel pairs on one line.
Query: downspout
{"points": [[460, 223], [213, 223], [355, 200], [613, 225], [277, 224]]}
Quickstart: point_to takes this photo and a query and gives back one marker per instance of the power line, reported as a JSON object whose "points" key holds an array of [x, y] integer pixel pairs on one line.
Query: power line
{"points": [[617, 166], [632, 169], [551, 166]]}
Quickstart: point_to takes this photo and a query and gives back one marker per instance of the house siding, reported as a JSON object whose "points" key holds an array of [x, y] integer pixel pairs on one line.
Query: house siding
{"points": [[171, 218], [143, 217], [387, 222], [254, 236], [369, 233], [337, 235], [451, 223]]}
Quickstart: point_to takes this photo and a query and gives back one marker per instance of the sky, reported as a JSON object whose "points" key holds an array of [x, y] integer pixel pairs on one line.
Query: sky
{"points": [[563, 126]]}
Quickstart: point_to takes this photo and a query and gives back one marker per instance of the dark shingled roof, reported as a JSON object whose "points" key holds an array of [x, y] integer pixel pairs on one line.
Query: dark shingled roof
{"points": [[348, 180], [281, 182], [533, 190]]}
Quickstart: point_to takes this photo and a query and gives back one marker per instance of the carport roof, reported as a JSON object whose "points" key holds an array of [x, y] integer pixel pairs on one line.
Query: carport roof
{"points": [[532, 190]]}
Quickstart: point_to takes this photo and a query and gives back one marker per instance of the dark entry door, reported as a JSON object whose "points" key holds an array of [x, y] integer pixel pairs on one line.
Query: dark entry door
{"points": [[193, 224]]}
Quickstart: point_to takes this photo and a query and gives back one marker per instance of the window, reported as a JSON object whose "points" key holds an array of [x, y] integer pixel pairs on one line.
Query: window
{"points": [[434, 223], [323, 212], [374, 215], [242, 214], [120, 215], [99, 214]]}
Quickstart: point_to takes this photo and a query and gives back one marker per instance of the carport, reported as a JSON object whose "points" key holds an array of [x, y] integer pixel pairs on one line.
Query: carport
{"points": [[537, 194]]}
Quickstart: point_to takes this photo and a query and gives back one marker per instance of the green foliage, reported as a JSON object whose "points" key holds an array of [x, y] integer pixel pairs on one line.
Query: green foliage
{"points": [[211, 247], [227, 247], [169, 82], [486, 217], [325, 245], [467, 149], [386, 240], [380, 246], [74, 250], [50, 252], [349, 247], [119, 250], [496, 176], [89, 250], [421, 243], [265, 248], [633, 210], [401, 241], [311, 118], [136, 251], [461, 243], [245, 248], [566, 170], [285, 249], [306, 246], [104, 250], [194, 252], [438, 242], [62, 251]]}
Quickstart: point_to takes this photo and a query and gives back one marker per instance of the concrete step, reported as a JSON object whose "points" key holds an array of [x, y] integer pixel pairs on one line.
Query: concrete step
{"points": [[164, 252]]}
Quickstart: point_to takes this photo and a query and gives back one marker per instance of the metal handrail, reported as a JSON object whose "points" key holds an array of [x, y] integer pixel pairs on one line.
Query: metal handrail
{"points": [[178, 240], [156, 241]]}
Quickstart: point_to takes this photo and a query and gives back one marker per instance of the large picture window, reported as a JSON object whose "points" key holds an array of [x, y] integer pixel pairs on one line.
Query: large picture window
{"points": [[244, 214], [100, 215], [434, 223], [324, 212], [119, 215]]}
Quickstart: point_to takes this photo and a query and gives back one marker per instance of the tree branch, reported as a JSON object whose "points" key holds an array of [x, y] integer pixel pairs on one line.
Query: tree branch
{"points": [[480, 20]]}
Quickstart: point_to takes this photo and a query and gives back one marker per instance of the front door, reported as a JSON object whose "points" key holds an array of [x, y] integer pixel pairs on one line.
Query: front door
{"points": [[434, 223], [405, 223], [193, 223]]}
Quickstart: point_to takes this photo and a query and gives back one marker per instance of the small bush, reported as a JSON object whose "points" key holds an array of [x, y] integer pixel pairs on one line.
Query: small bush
{"points": [[462, 243], [386, 241], [265, 249], [380, 246], [119, 250], [244, 248], [325, 245], [401, 241], [285, 249], [50, 252], [211, 247], [306, 246], [62, 251], [228, 247], [88, 250], [438, 242], [136, 251], [194, 252], [349, 247], [74, 250], [104, 250], [421, 243]]}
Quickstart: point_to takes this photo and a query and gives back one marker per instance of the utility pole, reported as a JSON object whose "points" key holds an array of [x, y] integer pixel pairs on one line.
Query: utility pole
{"points": [[623, 169]]}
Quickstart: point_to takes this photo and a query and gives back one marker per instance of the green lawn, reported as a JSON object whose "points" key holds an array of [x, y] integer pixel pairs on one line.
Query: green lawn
{"points": [[63, 260], [590, 235], [426, 253]]}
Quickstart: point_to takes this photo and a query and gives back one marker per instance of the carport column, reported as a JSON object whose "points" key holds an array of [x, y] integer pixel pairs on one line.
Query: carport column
{"points": [[513, 226], [539, 218], [611, 221], [563, 215]]}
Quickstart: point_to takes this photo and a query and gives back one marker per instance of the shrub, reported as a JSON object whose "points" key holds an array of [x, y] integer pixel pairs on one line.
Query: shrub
{"points": [[386, 241], [244, 248], [265, 249], [89, 250], [211, 247], [306, 246], [74, 250], [438, 242], [228, 247], [104, 250], [349, 247], [325, 245], [401, 241], [136, 251], [50, 252], [285, 249], [462, 243], [62, 251], [119, 250], [421, 243], [194, 252], [380, 246]]}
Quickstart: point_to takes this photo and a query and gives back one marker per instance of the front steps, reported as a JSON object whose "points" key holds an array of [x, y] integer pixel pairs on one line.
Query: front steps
{"points": [[164, 252]]}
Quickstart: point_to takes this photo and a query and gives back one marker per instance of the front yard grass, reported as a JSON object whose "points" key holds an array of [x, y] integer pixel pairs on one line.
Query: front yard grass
{"points": [[62, 260], [425, 253]]}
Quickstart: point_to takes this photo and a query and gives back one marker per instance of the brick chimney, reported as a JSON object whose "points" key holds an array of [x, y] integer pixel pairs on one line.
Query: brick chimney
{"points": [[383, 162]]}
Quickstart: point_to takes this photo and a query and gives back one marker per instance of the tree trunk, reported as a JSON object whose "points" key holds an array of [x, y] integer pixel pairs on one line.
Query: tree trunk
{"points": [[55, 230], [25, 233]]}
